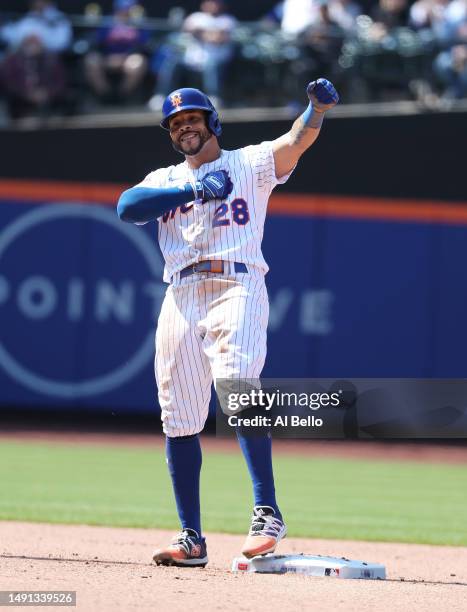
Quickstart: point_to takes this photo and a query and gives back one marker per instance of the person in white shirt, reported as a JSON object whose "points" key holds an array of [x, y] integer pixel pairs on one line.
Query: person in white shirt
{"points": [[43, 21], [208, 48], [450, 65], [297, 16]]}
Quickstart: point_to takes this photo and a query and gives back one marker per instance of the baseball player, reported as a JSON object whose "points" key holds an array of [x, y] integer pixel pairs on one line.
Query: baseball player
{"points": [[211, 210]]}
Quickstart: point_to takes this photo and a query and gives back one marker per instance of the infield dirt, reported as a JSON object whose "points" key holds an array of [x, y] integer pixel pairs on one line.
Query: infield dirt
{"points": [[111, 570]]}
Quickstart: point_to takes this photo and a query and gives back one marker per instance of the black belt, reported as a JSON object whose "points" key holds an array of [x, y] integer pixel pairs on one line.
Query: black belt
{"points": [[214, 266]]}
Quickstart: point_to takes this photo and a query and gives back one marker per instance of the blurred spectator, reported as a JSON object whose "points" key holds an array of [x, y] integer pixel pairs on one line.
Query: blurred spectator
{"points": [[43, 21], [457, 11], [118, 57], [208, 50], [428, 14], [391, 13], [33, 78], [455, 16], [323, 40], [451, 64], [274, 16], [297, 16], [344, 13], [387, 15]]}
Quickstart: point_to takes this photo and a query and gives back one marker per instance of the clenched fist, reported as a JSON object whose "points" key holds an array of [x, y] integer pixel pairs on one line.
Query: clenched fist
{"points": [[322, 95]]}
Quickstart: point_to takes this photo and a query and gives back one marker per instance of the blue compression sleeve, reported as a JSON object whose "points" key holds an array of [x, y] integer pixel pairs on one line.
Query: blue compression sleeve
{"points": [[141, 204], [312, 118]]}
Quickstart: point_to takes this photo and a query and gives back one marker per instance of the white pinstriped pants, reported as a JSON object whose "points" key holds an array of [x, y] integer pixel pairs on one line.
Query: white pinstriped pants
{"points": [[210, 327]]}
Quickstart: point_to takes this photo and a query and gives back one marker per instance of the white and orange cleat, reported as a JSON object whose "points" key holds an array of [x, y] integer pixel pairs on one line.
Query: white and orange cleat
{"points": [[265, 533], [186, 550]]}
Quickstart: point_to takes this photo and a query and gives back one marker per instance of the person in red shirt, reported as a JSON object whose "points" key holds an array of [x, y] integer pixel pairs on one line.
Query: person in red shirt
{"points": [[33, 79]]}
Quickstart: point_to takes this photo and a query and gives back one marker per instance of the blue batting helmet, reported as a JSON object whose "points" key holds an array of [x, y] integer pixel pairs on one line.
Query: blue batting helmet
{"points": [[188, 98]]}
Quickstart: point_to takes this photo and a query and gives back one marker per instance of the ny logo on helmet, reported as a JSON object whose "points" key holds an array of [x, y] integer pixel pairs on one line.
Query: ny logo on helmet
{"points": [[176, 99]]}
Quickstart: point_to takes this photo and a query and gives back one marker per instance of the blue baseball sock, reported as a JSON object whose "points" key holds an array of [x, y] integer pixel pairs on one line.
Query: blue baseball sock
{"points": [[184, 461], [257, 451]]}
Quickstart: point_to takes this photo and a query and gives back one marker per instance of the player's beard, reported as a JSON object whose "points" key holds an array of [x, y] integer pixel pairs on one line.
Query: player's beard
{"points": [[192, 148]]}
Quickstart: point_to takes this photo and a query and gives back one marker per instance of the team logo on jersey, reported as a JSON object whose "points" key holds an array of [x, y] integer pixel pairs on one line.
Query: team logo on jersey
{"points": [[176, 99]]}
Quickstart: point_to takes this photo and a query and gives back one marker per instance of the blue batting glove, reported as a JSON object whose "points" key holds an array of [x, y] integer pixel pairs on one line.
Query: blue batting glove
{"points": [[214, 186], [322, 95]]}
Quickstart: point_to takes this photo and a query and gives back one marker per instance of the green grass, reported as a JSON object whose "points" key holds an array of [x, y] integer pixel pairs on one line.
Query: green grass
{"points": [[325, 498]]}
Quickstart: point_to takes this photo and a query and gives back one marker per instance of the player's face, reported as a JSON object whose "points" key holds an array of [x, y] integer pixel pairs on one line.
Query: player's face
{"points": [[189, 132]]}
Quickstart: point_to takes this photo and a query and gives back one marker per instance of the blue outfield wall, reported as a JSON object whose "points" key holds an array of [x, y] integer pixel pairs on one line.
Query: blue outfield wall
{"points": [[80, 292]]}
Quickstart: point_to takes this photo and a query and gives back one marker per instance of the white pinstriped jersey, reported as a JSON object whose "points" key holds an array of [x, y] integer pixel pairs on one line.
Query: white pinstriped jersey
{"points": [[229, 229]]}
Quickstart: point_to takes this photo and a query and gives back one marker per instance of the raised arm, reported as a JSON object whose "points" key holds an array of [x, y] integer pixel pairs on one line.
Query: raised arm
{"points": [[289, 147]]}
